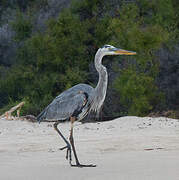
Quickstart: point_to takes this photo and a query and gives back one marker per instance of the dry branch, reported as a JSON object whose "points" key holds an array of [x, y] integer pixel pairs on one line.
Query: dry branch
{"points": [[7, 114]]}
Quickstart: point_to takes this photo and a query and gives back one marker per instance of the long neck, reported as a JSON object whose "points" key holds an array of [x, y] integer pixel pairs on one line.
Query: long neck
{"points": [[101, 87]]}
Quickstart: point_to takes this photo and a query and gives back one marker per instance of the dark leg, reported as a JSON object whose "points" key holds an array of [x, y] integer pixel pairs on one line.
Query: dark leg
{"points": [[68, 147], [72, 119]]}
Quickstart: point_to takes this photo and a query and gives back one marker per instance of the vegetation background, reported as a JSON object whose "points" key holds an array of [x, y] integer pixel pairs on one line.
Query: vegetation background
{"points": [[47, 46]]}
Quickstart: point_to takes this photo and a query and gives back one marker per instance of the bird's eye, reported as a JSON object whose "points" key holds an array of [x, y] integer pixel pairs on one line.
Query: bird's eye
{"points": [[106, 46]]}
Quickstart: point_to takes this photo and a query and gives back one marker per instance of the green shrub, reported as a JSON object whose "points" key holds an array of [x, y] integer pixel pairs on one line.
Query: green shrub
{"points": [[51, 61], [136, 81], [138, 92], [22, 26]]}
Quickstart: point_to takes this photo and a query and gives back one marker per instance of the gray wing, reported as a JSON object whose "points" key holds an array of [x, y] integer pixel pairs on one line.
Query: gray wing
{"points": [[68, 102]]}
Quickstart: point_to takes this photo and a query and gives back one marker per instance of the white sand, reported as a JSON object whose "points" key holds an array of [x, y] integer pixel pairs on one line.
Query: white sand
{"points": [[128, 148]]}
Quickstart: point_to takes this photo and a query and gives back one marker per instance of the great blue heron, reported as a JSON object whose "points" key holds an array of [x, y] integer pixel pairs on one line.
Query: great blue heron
{"points": [[78, 101]]}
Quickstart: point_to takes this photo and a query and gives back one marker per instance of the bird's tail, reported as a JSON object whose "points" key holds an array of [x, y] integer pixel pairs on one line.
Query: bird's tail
{"points": [[41, 116]]}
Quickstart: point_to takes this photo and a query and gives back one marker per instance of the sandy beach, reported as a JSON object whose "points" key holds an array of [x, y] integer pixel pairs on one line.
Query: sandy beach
{"points": [[127, 148]]}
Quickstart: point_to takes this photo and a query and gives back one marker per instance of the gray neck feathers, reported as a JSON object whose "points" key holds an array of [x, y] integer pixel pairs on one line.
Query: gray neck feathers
{"points": [[100, 90]]}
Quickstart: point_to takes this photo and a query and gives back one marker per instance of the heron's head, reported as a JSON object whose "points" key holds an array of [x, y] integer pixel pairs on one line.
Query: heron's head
{"points": [[111, 50]]}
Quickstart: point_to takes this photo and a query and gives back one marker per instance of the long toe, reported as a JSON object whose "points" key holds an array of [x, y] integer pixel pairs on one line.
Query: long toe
{"points": [[63, 148], [83, 165], [68, 154]]}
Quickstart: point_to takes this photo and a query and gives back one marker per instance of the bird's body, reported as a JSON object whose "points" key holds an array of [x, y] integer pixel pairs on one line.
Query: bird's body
{"points": [[71, 100], [78, 101], [65, 104]]}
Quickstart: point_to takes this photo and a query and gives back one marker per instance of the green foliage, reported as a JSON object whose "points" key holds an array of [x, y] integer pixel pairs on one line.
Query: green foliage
{"points": [[138, 92], [69, 36], [54, 60], [72, 76], [48, 63], [89, 9], [136, 83], [159, 12], [22, 26], [163, 13]]}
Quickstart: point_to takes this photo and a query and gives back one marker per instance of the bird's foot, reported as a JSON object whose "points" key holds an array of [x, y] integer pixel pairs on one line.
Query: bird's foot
{"points": [[83, 165], [68, 153], [68, 146]]}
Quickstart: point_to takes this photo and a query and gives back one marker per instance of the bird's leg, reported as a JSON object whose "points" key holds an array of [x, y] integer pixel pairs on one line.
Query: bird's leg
{"points": [[68, 147], [72, 119]]}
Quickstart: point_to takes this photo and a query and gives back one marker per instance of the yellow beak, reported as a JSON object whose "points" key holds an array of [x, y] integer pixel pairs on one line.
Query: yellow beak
{"points": [[124, 52]]}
